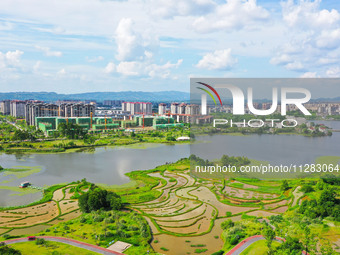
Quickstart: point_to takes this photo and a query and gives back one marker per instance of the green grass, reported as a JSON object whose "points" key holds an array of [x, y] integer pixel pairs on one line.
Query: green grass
{"points": [[19, 190], [18, 172], [102, 227], [142, 140], [328, 160], [29, 248], [200, 250], [258, 248]]}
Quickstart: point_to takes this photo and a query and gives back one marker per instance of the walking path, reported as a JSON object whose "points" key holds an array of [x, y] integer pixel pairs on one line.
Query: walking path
{"points": [[238, 249], [69, 241]]}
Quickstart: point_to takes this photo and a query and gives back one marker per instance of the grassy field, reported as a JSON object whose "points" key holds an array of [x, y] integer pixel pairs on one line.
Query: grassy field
{"points": [[110, 138], [102, 227], [18, 172], [50, 248], [258, 248]]}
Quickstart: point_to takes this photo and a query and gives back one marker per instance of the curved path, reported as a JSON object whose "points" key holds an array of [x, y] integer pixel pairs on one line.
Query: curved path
{"points": [[238, 249], [72, 242]]}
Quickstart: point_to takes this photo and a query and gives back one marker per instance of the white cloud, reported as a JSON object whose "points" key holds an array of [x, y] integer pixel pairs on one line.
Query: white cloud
{"points": [[130, 68], [37, 66], [333, 72], [143, 69], [313, 36], [62, 72], [218, 60], [48, 52], [162, 71], [309, 75], [172, 8], [306, 13], [94, 59], [295, 66], [10, 59], [281, 59], [328, 60], [234, 14], [110, 68], [131, 45], [6, 26], [329, 39]]}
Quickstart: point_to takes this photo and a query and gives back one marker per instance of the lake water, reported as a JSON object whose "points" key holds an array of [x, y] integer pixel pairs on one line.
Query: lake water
{"points": [[109, 165]]}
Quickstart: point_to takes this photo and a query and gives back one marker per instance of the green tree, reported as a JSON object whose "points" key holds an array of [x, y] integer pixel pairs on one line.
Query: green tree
{"points": [[227, 224], [292, 246], [170, 138], [40, 241], [71, 130], [285, 185], [269, 234], [21, 135], [307, 188], [307, 239], [114, 200], [82, 202], [97, 199], [5, 250]]}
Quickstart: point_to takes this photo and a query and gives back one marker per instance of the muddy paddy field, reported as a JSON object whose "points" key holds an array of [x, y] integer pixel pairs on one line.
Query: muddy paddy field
{"points": [[186, 217]]}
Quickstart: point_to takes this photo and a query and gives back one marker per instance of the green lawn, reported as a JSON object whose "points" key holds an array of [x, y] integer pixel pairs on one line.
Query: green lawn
{"points": [[54, 248], [258, 248]]}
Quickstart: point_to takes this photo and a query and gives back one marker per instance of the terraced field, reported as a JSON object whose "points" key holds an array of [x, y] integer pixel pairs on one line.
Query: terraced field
{"points": [[185, 215], [44, 214], [188, 213]]}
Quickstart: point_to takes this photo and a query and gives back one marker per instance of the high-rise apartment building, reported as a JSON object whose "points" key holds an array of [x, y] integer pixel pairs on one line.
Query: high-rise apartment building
{"points": [[161, 109], [5, 107], [114, 103], [17, 108], [137, 108], [34, 110]]}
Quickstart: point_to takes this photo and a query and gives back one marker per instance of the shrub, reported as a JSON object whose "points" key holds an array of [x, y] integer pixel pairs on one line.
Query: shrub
{"points": [[307, 188], [40, 241], [227, 224], [98, 219], [218, 253], [228, 214], [200, 250], [8, 250]]}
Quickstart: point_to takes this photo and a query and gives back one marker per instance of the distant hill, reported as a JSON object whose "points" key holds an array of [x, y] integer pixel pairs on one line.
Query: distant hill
{"points": [[335, 99], [161, 96], [100, 96]]}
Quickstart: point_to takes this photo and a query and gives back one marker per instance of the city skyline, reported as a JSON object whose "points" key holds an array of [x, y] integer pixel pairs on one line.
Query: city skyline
{"points": [[79, 46]]}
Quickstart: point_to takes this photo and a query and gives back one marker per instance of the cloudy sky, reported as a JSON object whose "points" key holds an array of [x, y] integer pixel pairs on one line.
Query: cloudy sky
{"points": [[71, 46]]}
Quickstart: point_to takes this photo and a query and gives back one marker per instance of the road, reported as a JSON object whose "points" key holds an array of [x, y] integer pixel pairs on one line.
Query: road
{"points": [[72, 242], [13, 124], [238, 249]]}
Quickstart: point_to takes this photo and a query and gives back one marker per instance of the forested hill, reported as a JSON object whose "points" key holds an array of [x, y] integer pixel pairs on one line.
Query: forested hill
{"points": [[100, 96]]}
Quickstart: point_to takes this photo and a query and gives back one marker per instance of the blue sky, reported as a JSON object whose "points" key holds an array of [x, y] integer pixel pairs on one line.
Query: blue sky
{"points": [[74, 46]]}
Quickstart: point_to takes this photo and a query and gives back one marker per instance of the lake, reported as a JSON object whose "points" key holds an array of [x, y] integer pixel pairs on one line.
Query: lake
{"points": [[110, 164]]}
